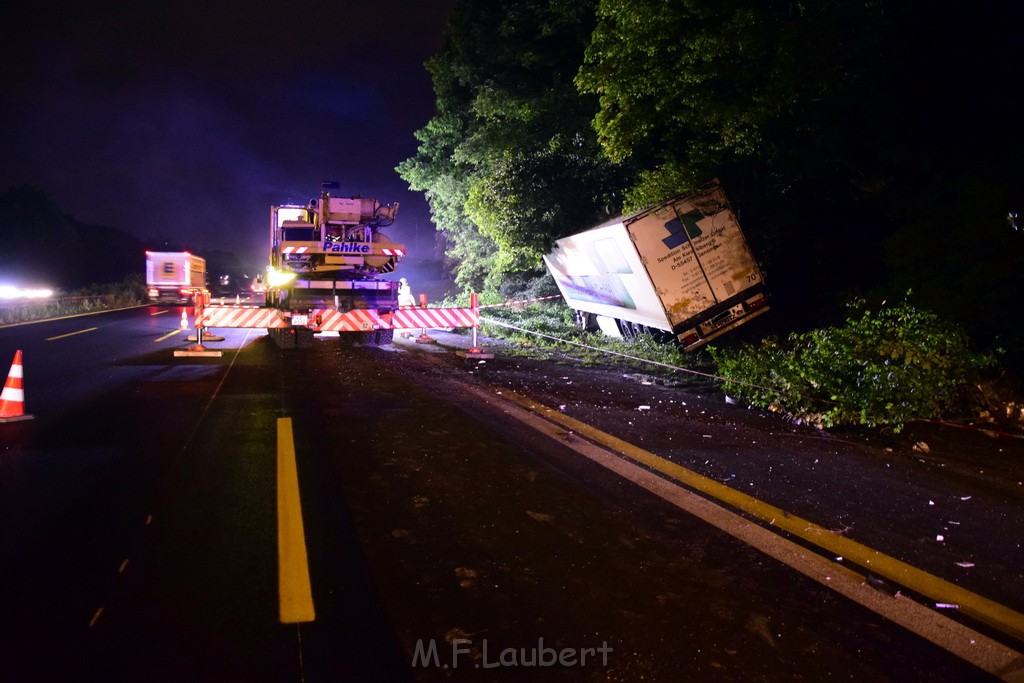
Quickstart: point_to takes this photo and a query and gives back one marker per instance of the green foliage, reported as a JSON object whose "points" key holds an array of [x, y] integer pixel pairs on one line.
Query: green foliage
{"points": [[642, 346], [655, 184], [530, 197], [510, 162], [832, 125], [881, 367], [707, 85], [548, 329], [130, 292], [968, 269], [446, 182], [541, 317], [527, 285]]}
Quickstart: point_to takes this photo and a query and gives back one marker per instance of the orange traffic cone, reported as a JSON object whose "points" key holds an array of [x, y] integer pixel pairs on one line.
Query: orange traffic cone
{"points": [[12, 400], [184, 319]]}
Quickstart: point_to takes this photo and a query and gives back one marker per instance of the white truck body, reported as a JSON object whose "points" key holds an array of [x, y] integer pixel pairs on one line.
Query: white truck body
{"points": [[174, 276], [681, 268]]}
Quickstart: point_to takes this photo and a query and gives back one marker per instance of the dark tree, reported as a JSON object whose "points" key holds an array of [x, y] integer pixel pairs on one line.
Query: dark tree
{"points": [[510, 162]]}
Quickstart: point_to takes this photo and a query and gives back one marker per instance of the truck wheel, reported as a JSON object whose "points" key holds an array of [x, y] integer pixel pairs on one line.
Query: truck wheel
{"points": [[382, 337], [626, 329], [587, 321], [282, 338], [303, 338]]}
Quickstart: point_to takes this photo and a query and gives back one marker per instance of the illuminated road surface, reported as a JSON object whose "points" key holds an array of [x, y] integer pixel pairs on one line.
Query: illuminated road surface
{"points": [[141, 533]]}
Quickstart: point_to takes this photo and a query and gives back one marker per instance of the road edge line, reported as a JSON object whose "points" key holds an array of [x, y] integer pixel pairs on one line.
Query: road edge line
{"points": [[974, 647]]}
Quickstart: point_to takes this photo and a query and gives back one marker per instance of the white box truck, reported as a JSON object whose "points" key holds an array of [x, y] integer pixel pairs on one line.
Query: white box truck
{"points": [[681, 269], [174, 276]]}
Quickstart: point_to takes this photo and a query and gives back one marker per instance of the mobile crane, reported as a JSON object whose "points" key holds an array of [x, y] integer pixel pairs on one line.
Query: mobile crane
{"points": [[324, 275]]}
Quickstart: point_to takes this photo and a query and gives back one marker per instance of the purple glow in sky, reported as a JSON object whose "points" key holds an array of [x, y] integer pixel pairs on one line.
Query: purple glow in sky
{"points": [[188, 119]]}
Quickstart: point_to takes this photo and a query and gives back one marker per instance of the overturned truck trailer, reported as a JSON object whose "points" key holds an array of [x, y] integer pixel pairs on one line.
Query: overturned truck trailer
{"points": [[681, 269]]}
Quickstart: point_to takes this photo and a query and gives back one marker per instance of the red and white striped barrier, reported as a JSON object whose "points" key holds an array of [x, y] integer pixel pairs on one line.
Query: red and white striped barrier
{"points": [[330, 320], [241, 316], [408, 318]]}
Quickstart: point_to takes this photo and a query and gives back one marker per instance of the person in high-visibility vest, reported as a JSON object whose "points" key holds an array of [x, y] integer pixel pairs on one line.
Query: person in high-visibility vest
{"points": [[405, 297]]}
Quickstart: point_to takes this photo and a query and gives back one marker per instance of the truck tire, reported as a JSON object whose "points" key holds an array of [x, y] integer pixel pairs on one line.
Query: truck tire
{"points": [[587, 321], [382, 337], [303, 337], [626, 329], [282, 338]]}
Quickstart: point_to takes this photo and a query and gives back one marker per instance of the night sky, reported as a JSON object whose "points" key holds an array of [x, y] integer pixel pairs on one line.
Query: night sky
{"points": [[188, 119]]}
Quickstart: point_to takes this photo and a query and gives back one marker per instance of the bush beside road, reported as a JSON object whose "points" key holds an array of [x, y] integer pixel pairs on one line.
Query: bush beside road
{"points": [[130, 292], [883, 369]]}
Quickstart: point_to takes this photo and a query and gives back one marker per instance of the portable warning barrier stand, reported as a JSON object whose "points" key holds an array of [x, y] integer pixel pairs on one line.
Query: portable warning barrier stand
{"points": [[412, 317], [12, 400], [201, 301], [321, 320], [424, 338], [475, 351]]}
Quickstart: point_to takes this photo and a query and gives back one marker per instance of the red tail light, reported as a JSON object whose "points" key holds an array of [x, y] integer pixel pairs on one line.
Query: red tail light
{"points": [[755, 304]]}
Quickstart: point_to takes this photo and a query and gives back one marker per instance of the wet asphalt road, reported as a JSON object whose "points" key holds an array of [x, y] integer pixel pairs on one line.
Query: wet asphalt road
{"points": [[138, 532]]}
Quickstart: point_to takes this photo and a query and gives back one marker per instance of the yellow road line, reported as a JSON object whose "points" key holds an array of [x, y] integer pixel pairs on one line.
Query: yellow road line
{"points": [[72, 334], [294, 590], [976, 648], [985, 610], [169, 334]]}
